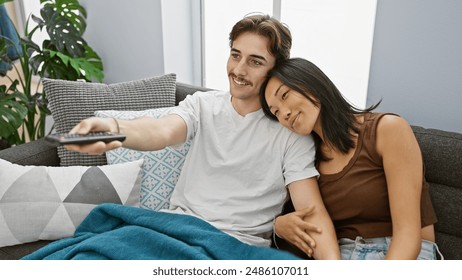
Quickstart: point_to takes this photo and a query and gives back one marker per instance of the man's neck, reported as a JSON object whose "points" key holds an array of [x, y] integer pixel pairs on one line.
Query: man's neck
{"points": [[245, 106]]}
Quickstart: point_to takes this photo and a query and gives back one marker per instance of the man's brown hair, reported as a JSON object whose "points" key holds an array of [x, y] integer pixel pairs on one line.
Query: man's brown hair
{"points": [[278, 34]]}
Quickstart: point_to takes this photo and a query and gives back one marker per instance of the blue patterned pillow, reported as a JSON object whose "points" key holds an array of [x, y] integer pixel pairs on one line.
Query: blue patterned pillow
{"points": [[161, 168]]}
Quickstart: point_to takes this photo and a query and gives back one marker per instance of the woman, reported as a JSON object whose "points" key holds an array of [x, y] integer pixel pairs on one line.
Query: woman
{"points": [[370, 164]]}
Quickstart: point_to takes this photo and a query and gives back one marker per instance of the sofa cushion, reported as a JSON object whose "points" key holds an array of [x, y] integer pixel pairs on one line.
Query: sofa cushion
{"points": [[161, 168], [48, 203], [70, 102]]}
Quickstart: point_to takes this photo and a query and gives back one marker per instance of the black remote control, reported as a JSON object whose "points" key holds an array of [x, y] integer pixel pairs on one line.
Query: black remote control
{"points": [[80, 139]]}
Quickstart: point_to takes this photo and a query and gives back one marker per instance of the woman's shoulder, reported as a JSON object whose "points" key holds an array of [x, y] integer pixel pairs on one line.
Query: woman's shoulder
{"points": [[380, 121], [393, 130], [391, 122]]}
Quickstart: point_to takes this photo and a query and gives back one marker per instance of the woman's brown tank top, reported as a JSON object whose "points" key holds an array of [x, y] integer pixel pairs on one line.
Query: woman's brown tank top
{"points": [[357, 197]]}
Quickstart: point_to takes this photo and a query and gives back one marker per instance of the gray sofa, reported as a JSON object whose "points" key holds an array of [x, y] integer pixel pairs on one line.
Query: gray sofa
{"points": [[442, 152]]}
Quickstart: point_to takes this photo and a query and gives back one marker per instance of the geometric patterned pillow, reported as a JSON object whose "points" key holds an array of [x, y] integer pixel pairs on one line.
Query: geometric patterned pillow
{"points": [[48, 203], [71, 102], [161, 169]]}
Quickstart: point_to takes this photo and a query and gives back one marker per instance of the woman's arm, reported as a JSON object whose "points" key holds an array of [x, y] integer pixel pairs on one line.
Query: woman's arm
{"points": [[402, 162], [145, 133], [305, 194]]}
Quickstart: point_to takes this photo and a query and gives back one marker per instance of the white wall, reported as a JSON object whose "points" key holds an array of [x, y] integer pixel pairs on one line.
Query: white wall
{"points": [[182, 38], [219, 19], [128, 37], [145, 38], [337, 36]]}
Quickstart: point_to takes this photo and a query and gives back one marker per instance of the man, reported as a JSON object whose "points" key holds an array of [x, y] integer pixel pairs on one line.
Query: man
{"points": [[239, 162]]}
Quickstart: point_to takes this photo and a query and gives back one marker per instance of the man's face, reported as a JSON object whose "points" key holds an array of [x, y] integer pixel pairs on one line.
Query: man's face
{"points": [[248, 64]]}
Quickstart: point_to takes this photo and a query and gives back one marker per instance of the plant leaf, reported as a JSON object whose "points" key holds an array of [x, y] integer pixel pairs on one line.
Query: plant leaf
{"points": [[64, 58], [12, 114], [50, 65], [39, 21], [63, 34], [4, 1], [90, 67], [71, 10]]}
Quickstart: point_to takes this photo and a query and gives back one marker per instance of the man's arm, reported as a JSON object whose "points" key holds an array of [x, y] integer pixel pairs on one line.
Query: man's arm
{"points": [[145, 133], [305, 194]]}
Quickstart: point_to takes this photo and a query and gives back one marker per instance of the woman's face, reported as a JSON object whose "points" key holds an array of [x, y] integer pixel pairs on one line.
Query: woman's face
{"points": [[292, 109]]}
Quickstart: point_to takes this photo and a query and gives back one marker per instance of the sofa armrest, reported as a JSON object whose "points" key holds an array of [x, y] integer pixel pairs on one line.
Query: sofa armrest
{"points": [[37, 152]]}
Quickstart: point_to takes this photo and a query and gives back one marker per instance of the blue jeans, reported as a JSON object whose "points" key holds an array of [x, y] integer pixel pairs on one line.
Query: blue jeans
{"points": [[377, 248]]}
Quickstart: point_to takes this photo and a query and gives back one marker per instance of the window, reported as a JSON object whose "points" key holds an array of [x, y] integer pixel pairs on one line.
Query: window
{"points": [[23, 11], [336, 35], [218, 20]]}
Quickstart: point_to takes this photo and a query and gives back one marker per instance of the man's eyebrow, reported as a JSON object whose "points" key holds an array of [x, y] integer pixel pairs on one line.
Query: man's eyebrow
{"points": [[259, 57]]}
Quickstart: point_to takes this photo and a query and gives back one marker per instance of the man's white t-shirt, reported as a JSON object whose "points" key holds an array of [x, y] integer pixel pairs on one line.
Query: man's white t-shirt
{"points": [[236, 170]]}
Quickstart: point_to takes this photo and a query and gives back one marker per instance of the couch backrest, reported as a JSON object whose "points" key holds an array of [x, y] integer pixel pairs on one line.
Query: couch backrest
{"points": [[442, 153], [182, 90]]}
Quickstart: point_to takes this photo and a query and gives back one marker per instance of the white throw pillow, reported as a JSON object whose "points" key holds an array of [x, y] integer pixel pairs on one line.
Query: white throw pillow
{"points": [[48, 203]]}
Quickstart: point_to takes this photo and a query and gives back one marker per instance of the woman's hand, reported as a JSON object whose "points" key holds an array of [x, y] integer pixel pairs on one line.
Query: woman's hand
{"points": [[294, 229]]}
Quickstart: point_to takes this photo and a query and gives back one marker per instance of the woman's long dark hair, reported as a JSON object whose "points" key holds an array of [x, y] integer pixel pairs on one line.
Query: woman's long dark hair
{"points": [[337, 114]]}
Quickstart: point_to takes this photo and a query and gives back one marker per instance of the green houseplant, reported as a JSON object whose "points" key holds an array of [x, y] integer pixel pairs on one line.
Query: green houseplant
{"points": [[65, 55]]}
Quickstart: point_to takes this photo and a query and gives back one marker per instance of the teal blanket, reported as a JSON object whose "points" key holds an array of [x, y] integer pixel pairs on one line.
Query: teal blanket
{"points": [[113, 231]]}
